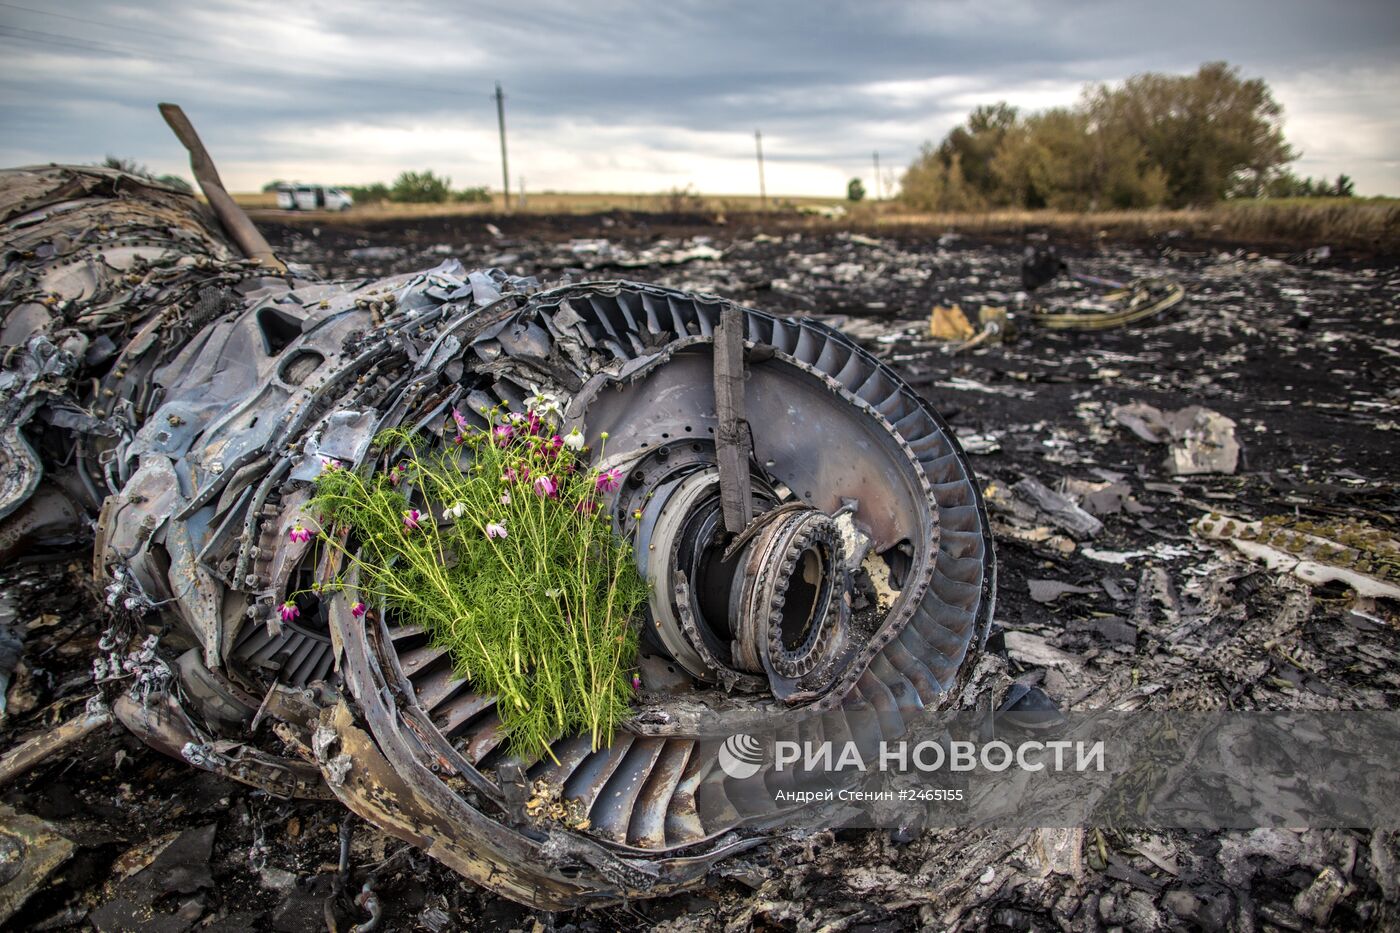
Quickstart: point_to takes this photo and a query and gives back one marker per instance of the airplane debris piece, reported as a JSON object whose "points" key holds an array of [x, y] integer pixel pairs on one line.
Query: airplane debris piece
{"points": [[948, 322], [1199, 440], [182, 399], [31, 850], [30, 752], [1362, 557], [1125, 303]]}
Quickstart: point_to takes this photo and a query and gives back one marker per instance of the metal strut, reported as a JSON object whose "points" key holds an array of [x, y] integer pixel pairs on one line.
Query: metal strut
{"points": [[235, 221], [733, 442]]}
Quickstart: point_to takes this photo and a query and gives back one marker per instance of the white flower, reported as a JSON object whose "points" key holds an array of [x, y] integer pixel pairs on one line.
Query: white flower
{"points": [[574, 440], [496, 530], [455, 511], [542, 403], [505, 498]]}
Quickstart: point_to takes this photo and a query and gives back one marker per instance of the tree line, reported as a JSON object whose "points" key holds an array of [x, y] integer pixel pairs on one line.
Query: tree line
{"points": [[1154, 140], [423, 187]]}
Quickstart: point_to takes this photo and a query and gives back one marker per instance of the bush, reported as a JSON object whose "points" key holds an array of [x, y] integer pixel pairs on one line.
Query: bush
{"points": [[478, 195], [855, 190], [683, 200], [420, 188], [368, 194]]}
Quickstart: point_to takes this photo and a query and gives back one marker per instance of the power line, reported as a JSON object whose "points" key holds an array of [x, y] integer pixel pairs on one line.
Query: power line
{"points": [[87, 21], [109, 48], [85, 45]]}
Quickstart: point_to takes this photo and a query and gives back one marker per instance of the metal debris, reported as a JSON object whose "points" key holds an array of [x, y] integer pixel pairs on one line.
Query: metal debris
{"points": [[30, 851], [740, 437], [1361, 557], [1199, 440]]}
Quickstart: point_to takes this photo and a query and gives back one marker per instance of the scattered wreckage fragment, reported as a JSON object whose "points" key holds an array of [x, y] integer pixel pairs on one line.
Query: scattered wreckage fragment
{"points": [[1362, 557], [1125, 303], [1198, 440], [820, 558]]}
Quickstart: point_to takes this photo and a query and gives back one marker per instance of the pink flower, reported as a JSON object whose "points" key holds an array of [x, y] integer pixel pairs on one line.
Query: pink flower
{"points": [[503, 433], [396, 474], [505, 498], [609, 480], [299, 534], [532, 424], [288, 611], [410, 518], [357, 610], [496, 530], [330, 463], [636, 681], [544, 486], [461, 420], [586, 507]]}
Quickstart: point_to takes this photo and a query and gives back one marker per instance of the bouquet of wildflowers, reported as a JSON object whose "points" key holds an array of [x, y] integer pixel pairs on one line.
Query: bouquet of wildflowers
{"points": [[497, 546]]}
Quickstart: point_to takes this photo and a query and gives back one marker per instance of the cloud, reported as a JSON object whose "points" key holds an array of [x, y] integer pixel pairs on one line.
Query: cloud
{"points": [[642, 97]]}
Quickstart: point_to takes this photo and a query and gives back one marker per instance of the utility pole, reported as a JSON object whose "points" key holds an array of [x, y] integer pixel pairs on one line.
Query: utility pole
{"points": [[762, 189], [878, 188], [501, 121]]}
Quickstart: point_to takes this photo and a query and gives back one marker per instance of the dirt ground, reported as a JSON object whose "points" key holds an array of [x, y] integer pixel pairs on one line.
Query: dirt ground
{"points": [[1298, 348]]}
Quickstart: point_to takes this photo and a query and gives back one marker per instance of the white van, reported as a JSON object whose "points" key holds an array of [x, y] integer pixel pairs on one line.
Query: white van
{"points": [[312, 198]]}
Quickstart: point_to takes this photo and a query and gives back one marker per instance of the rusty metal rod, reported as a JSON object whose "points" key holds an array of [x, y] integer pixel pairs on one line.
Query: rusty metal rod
{"points": [[235, 221]]}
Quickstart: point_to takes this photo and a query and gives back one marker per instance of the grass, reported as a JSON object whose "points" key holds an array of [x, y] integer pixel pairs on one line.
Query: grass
{"points": [[499, 549], [557, 202], [1369, 223]]}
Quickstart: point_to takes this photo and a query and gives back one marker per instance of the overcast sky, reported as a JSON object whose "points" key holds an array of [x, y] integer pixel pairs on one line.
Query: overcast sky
{"points": [[628, 96]]}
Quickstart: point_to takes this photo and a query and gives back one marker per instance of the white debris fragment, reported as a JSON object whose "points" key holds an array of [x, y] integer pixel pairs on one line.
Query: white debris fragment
{"points": [[1201, 440], [1313, 559]]}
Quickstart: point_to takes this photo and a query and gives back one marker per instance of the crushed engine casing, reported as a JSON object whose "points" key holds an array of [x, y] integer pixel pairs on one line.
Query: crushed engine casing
{"points": [[177, 402]]}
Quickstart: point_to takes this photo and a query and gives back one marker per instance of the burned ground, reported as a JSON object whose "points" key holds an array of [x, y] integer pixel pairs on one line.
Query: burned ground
{"points": [[1298, 348]]}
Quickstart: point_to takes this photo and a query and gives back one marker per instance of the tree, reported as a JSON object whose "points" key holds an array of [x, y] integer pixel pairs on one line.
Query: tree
{"points": [[976, 144], [855, 190], [1155, 139], [932, 185], [1285, 184], [1205, 131], [420, 188]]}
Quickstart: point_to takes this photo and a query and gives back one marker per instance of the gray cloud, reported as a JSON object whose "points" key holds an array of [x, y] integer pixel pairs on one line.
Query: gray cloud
{"points": [[662, 93]]}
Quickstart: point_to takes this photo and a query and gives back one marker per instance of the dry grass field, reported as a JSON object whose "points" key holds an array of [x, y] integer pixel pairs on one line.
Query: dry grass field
{"points": [[1369, 223]]}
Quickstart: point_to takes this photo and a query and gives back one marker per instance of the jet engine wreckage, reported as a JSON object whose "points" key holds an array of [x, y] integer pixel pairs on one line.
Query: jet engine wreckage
{"points": [[815, 539]]}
